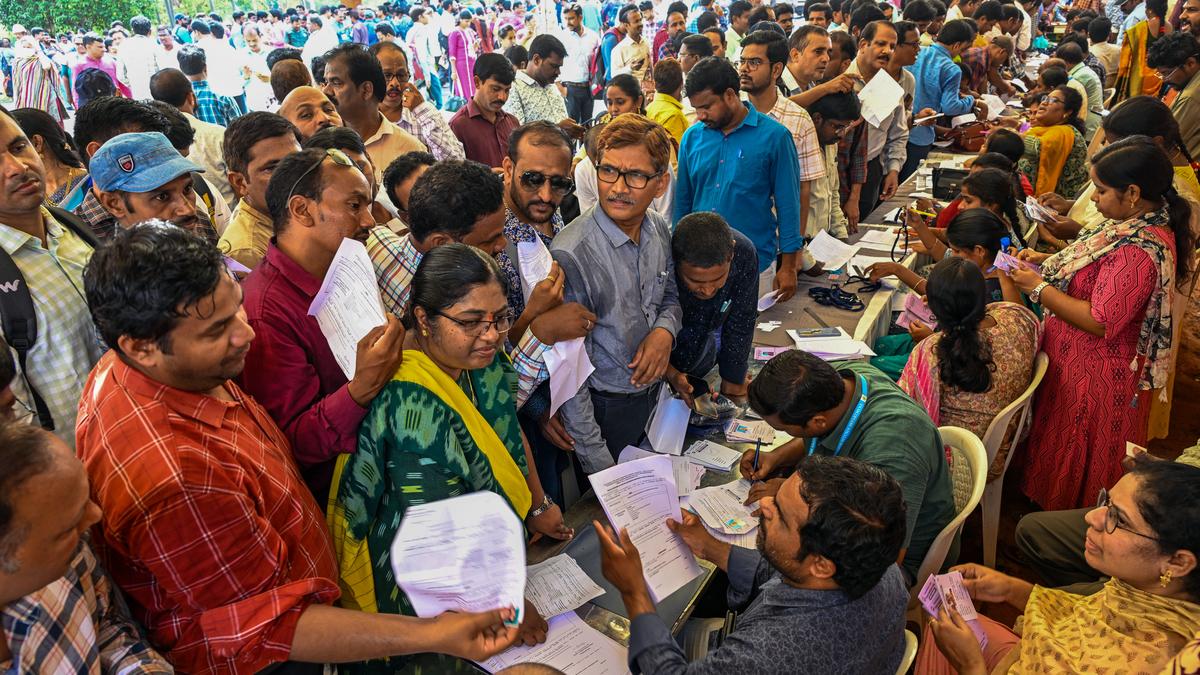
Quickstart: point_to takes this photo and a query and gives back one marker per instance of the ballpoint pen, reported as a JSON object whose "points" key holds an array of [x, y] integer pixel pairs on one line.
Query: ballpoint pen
{"points": [[757, 451]]}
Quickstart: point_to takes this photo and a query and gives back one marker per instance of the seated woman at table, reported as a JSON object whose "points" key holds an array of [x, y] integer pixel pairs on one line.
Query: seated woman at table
{"points": [[998, 190], [980, 359], [1055, 152], [1109, 296], [1145, 535], [1141, 115], [444, 426]]}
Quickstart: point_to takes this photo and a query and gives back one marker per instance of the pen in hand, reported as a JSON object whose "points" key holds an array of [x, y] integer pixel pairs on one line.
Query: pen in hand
{"points": [[757, 451]]}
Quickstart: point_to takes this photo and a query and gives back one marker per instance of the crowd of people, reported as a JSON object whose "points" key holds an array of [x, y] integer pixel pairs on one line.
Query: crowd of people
{"points": [[194, 482]]}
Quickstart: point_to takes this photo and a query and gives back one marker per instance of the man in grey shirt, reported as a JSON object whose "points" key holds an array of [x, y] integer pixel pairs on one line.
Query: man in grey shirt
{"points": [[820, 594], [617, 260]]}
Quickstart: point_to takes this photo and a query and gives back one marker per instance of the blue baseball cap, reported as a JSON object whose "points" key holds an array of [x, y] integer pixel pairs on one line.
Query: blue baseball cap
{"points": [[138, 162]]}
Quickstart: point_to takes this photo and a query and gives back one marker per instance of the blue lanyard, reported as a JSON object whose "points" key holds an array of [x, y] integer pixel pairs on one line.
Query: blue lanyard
{"points": [[858, 408]]}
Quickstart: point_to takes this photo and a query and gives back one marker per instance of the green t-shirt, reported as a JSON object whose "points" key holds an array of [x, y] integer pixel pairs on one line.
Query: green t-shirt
{"points": [[895, 433]]}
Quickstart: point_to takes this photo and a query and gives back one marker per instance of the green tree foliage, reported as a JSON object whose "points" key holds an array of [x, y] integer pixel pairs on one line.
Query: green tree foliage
{"points": [[63, 15]]}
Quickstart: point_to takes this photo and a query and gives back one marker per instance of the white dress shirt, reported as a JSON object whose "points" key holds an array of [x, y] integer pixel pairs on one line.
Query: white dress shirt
{"points": [[579, 53]]}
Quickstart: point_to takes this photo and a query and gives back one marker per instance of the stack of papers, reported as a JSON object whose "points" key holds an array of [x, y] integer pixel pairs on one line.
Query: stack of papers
{"points": [[722, 509], [713, 455], [839, 348], [559, 585], [749, 431], [994, 104], [948, 588], [687, 474], [960, 120], [347, 306], [883, 238], [1037, 212], [571, 646], [1008, 263], [831, 253]]}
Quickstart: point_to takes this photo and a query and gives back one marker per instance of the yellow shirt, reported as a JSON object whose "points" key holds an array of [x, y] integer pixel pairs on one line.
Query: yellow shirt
{"points": [[668, 111], [246, 238]]}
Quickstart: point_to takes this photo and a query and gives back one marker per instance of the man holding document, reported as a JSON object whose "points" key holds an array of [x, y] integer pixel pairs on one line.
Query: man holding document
{"points": [[821, 593]]}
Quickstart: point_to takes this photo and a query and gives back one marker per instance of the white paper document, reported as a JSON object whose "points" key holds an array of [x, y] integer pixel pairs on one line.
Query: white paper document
{"points": [[832, 253], [722, 510], [960, 120], [569, 368], [713, 455], [347, 306], [768, 301], [882, 95], [463, 554], [994, 104], [687, 475], [640, 496], [668, 425], [877, 237], [559, 585], [534, 261], [572, 647]]}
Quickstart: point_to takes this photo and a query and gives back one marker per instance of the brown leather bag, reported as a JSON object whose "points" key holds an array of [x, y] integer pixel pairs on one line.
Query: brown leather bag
{"points": [[968, 137]]}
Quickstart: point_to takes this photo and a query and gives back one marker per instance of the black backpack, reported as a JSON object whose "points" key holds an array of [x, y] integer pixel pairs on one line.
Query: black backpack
{"points": [[17, 318]]}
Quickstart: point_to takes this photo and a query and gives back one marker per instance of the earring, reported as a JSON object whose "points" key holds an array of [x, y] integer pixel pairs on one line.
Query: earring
{"points": [[424, 333], [1164, 579]]}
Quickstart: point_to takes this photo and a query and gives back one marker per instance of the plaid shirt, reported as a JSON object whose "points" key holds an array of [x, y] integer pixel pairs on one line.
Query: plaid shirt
{"points": [[104, 225], [212, 107], [207, 526], [852, 160], [76, 624], [67, 344], [978, 61], [396, 259], [429, 126], [808, 149]]}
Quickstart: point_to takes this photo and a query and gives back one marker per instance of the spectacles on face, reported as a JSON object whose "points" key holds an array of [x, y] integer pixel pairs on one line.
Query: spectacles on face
{"points": [[1169, 75], [634, 179], [338, 158], [533, 180], [1112, 517], [476, 327], [840, 128], [400, 76], [1047, 99], [752, 64]]}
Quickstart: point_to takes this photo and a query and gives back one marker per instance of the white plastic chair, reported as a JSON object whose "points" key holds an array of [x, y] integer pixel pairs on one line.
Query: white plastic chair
{"points": [[910, 652], [964, 446], [1020, 410]]}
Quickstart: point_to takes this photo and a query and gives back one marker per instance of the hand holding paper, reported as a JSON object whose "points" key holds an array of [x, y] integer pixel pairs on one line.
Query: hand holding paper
{"points": [[347, 306]]}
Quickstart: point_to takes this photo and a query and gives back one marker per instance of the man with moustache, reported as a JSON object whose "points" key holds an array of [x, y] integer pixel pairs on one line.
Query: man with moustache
{"points": [[617, 262], [482, 124], [886, 141], [139, 176], [1189, 17], [404, 106], [310, 110], [49, 249]]}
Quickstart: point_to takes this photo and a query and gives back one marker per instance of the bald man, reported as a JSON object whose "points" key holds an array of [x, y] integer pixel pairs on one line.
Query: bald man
{"points": [[310, 110], [287, 75]]}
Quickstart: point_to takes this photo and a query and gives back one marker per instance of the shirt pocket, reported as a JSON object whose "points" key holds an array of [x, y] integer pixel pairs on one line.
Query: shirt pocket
{"points": [[752, 170]]}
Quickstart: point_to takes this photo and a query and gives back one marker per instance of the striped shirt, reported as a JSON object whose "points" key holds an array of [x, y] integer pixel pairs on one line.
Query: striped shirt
{"points": [[67, 344], [396, 259], [207, 527], [76, 624], [808, 149], [429, 126]]}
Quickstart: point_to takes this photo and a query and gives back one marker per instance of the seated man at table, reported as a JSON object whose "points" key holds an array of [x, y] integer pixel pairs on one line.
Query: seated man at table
{"points": [[716, 271], [852, 409], [820, 593], [617, 260]]}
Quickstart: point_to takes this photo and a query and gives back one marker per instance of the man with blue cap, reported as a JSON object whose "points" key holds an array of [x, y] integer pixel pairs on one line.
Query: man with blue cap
{"points": [[139, 176]]}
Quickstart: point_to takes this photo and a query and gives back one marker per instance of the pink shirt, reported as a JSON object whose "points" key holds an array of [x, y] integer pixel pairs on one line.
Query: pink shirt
{"points": [[108, 65]]}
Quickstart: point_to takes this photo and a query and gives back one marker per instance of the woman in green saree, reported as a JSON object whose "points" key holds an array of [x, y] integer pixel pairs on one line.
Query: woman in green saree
{"points": [[444, 426]]}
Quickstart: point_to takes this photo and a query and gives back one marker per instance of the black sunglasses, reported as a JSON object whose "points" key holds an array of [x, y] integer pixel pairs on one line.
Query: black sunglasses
{"points": [[533, 180]]}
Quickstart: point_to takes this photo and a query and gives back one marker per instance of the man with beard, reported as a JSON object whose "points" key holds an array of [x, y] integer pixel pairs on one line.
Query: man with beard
{"points": [[537, 176], [742, 164], [50, 249], [354, 83], [1189, 17], [291, 370], [821, 591], [310, 110], [404, 106], [139, 176]]}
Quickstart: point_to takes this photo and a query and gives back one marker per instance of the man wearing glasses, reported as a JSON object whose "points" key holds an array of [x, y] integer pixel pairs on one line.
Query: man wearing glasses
{"points": [[616, 257], [833, 115], [1176, 56], [404, 105]]}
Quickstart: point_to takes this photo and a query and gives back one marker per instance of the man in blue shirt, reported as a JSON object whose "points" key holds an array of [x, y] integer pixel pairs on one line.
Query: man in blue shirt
{"points": [[741, 164], [820, 593], [938, 78]]}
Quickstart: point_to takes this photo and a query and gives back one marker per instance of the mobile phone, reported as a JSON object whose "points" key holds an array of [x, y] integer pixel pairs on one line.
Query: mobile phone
{"points": [[699, 386], [817, 332]]}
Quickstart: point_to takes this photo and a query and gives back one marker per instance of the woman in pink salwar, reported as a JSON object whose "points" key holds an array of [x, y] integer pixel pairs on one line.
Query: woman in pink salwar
{"points": [[463, 50]]}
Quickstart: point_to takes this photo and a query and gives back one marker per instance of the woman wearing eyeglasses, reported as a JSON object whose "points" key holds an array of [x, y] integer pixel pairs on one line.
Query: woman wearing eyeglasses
{"points": [[1055, 152], [1108, 298], [1144, 535], [446, 425]]}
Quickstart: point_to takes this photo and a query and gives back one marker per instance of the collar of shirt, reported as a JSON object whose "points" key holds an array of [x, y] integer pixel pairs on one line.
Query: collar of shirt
{"points": [[778, 593], [830, 440], [1191, 88], [386, 128], [291, 271], [12, 239], [526, 79], [517, 230], [96, 216], [616, 236], [751, 120], [670, 100], [789, 81], [195, 405]]}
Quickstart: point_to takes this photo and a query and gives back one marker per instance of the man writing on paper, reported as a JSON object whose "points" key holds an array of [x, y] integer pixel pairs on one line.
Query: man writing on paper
{"points": [[617, 261], [851, 409], [820, 593], [316, 199], [716, 270]]}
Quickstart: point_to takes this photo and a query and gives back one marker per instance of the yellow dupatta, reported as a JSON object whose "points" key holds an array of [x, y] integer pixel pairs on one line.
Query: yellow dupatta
{"points": [[1056, 145], [1134, 77], [1119, 629]]}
